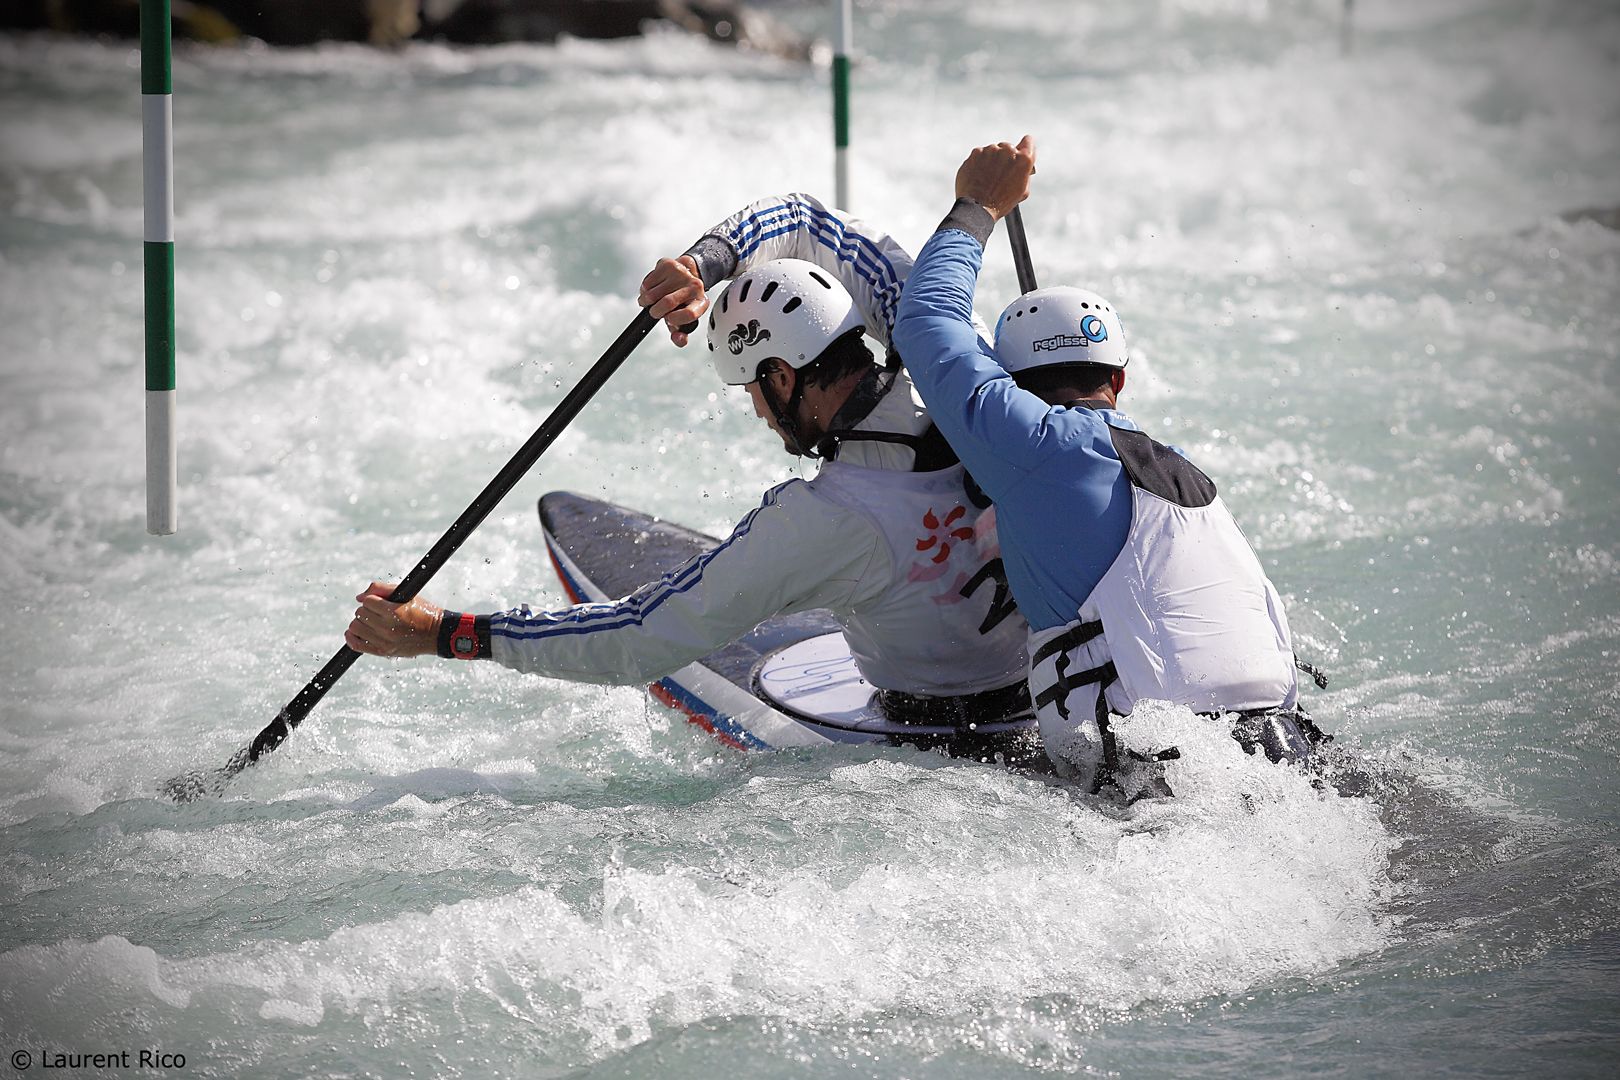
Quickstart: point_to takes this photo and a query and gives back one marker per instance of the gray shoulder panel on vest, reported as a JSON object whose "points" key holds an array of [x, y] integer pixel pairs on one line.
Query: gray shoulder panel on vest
{"points": [[1154, 467]]}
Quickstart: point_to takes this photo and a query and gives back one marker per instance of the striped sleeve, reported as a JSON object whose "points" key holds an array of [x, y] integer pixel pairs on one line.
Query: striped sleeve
{"points": [[797, 551], [869, 263]]}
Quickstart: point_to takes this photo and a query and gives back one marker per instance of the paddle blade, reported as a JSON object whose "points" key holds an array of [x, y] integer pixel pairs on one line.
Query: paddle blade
{"points": [[201, 783], [195, 785]]}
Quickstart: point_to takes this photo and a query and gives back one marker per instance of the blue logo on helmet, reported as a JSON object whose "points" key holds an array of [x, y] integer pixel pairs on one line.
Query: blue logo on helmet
{"points": [[1093, 328]]}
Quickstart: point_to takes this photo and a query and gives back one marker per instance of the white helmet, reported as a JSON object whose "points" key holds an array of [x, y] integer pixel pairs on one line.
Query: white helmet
{"points": [[1060, 325], [787, 310]]}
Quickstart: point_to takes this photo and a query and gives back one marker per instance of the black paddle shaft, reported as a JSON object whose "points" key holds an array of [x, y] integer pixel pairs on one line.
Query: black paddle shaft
{"points": [[299, 707], [1020, 250]]}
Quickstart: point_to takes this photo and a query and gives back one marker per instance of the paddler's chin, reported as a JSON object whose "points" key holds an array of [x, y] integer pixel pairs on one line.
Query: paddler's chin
{"points": [[757, 394]]}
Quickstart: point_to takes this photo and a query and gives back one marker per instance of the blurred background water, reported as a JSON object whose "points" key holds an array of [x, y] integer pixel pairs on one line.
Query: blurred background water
{"points": [[1351, 296]]}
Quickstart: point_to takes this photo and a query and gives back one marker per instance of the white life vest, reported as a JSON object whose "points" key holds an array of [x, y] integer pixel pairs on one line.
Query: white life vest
{"points": [[1189, 615], [1184, 614], [947, 625]]}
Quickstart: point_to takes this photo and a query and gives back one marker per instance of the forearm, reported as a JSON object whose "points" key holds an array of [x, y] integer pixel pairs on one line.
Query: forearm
{"points": [[1000, 431], [634, 640], [934, 328], [780, 559]]}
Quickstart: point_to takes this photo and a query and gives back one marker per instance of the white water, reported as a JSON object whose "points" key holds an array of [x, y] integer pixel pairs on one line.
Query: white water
{"points": [[387, 265]]}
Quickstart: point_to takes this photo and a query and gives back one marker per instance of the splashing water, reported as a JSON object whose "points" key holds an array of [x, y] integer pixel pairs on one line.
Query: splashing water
{"points": [[1351, 297]]}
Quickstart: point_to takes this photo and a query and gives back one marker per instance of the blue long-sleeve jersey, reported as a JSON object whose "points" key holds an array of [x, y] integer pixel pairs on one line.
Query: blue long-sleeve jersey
{"points": [[1063, 501]]}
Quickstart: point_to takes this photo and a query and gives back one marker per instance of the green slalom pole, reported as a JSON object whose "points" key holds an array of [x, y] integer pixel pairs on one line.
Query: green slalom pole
{"points": [[840, 80], [157, 174]]}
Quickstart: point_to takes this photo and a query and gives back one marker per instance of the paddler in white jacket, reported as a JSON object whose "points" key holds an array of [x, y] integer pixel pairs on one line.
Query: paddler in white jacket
{"points": [[1135, 579], [885, 536]]}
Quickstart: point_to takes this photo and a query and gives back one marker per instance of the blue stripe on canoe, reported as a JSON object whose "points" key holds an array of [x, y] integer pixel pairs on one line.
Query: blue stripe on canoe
{"points": [[685, 699], [723, 724], [575, 589]]}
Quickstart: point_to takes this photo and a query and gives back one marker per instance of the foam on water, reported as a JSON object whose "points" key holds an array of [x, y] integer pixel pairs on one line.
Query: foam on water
{"points": [[1350, 296], [906, 886]]}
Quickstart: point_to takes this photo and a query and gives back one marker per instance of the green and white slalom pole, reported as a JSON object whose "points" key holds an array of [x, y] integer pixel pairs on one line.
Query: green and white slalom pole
{"points": [[840, 79], [157, 174]]}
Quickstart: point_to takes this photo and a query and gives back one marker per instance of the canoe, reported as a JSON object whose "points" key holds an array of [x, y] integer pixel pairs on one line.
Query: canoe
{"points": [[790, 681]]}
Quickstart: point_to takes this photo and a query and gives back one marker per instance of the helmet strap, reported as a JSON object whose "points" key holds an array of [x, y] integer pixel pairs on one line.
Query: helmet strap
{"points": [[873, 388], [786, 416]]}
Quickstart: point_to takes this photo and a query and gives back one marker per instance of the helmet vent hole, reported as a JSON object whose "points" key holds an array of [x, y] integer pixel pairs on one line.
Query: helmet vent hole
{"points": [[725, 301], [742, 297], [823, 282], [1033, 310], [766, 295], [1084, 304], [791, 304]]}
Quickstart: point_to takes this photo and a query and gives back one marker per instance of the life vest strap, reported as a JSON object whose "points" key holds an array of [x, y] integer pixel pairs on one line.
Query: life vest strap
{"points": [[1058, 692], [1069, 639], [930, 451], [1064, 682]]}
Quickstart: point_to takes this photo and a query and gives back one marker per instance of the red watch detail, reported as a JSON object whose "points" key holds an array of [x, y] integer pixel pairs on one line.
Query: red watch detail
{"points": [[464, 639]]}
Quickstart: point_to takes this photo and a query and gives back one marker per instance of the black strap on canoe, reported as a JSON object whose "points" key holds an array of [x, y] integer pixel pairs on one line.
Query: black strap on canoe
{"points": [[1004, 705], [1058, 692]]}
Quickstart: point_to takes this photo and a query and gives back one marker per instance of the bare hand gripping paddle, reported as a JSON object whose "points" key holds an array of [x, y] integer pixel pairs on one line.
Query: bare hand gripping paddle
{"points": [[195, 784]]}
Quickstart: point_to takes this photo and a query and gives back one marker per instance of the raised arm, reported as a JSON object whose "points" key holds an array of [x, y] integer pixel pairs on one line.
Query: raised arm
{"points": [[1001, 432], [868, 262]]}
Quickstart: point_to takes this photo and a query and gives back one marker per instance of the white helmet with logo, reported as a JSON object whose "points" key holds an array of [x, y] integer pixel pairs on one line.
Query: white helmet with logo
{"points": [[1060, 325], [787, 310]]}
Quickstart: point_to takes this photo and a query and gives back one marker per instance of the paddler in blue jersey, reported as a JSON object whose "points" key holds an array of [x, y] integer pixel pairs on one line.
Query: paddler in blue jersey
{"points": [[885, 536], [1135, 579]]}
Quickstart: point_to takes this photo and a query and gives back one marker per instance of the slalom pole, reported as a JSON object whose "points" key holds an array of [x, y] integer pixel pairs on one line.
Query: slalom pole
{"points": [[157, 176], [840, 81]]}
